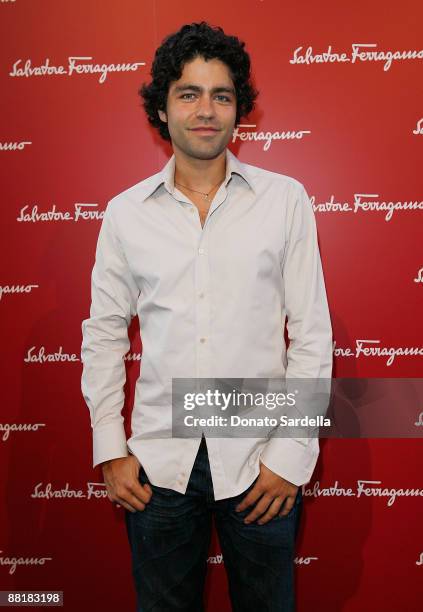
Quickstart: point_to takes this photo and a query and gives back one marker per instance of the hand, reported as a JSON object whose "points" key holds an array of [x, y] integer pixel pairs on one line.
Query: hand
{"points": [[121, 479], [273, 491]]}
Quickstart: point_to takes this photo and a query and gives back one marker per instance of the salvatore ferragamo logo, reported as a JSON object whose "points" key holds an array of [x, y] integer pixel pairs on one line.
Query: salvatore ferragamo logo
{"points": [[364, 488], [305, 560], [43, 357], [267, 137], [94, 490], [75, 66], [83, 212], [132, 357], [14, 146], [6, 428], [419, 277], [371, 348], [8, 289], [218, 559], [360, 52], [419, 127], [13, 562], [364, 202]]}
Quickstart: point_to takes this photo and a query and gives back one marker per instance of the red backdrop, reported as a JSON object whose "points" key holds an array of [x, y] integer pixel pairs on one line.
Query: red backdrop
{"points": [[350, 127]]}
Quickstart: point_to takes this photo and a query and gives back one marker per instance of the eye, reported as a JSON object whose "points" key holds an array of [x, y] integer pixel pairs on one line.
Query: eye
{"points": [[225, 98], [187, 94]]}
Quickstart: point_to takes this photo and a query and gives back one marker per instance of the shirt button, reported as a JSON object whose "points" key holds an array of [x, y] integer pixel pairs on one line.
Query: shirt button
{"points": [[191, 210], [201, 251], [201, 295], [202, 339]]}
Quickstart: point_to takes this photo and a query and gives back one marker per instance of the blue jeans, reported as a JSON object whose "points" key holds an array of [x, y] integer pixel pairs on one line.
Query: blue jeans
{"points": [[170, 539]]}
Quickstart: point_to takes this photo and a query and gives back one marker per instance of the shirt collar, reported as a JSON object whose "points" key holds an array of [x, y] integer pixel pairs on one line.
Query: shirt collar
{"points": [[166, 175]]}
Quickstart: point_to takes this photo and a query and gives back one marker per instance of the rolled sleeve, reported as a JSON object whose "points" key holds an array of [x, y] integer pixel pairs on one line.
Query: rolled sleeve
{"points": [[105, 342], [309, 354]]}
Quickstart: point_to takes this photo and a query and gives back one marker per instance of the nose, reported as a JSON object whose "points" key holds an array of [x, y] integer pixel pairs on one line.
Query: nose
{"points": [[205, 107]]}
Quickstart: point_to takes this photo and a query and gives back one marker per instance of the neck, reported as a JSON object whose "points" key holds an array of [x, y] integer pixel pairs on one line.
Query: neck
{"points": [[199, 174]]}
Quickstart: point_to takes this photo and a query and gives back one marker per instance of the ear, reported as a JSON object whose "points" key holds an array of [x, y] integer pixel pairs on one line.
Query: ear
{"points": [[162, 115]]}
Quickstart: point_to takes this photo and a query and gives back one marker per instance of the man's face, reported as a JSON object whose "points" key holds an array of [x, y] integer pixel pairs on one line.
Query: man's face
{"points": [[204, 96]]}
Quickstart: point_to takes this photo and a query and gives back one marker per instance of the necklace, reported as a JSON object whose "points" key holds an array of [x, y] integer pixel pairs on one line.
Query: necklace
{"points": [[205, 195]]}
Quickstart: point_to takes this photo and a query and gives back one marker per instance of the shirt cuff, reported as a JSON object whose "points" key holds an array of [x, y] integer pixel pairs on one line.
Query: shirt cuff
{"points": [[291, 459], [109, 442]]}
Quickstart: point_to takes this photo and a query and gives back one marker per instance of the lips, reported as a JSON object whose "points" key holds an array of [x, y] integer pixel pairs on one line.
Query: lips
{"points": [[205, 132]]}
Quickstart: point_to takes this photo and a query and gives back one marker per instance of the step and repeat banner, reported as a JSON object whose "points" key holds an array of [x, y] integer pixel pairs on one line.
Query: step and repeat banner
{"points": [[341, 110]]}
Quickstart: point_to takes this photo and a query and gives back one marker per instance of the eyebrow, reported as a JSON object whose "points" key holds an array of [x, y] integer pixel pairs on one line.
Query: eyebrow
{"points": [[199, 89]]}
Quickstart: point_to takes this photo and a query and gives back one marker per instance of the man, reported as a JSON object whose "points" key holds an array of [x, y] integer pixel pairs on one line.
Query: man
{"points": [[212, 255]]}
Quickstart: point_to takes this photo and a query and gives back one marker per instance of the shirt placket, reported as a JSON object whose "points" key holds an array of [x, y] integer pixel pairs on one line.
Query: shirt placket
{"points": [[202, 289], [203, 329]]}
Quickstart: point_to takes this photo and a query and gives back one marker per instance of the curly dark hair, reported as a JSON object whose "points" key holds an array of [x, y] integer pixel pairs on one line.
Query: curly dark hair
{"points": [[191, 41]]}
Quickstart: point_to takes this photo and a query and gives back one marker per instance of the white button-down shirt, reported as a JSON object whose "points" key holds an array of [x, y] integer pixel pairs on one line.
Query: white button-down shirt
{"points": [[212, 303]]}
